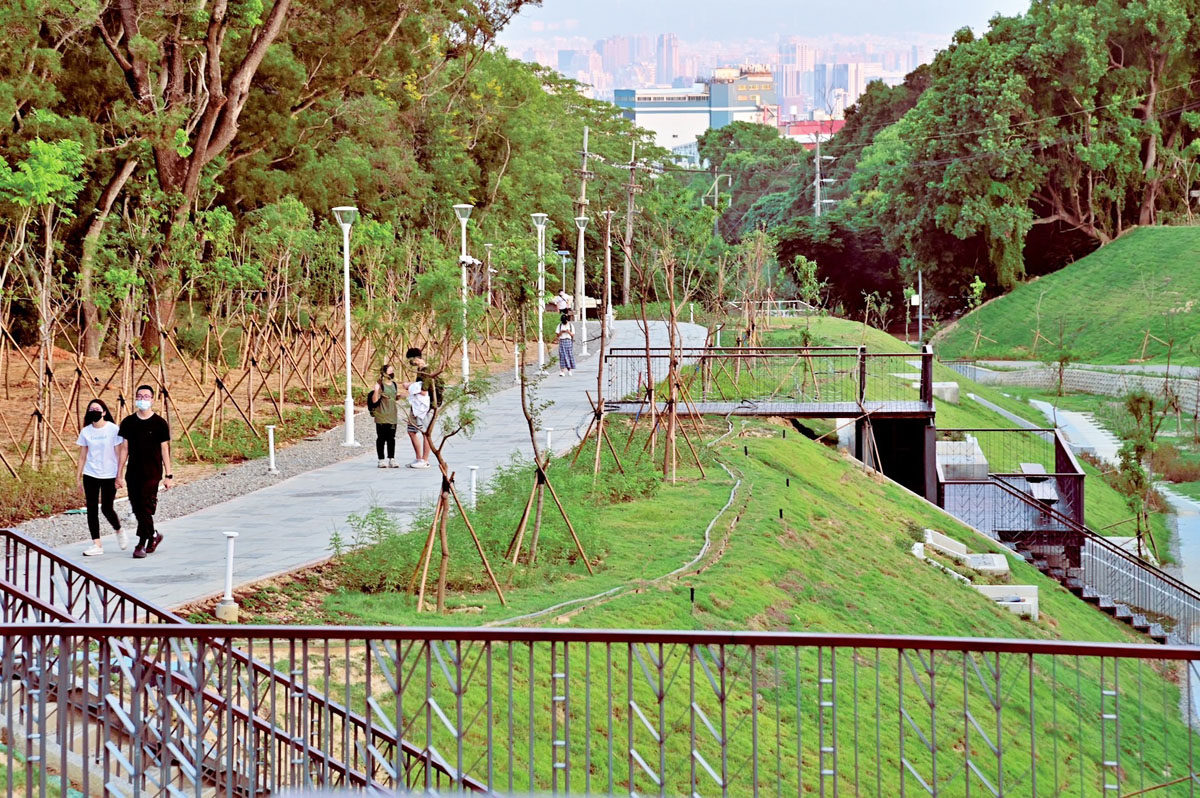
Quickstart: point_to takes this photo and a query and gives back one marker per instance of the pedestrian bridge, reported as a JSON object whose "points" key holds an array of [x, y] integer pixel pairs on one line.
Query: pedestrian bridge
{"points": [[793, 382]]}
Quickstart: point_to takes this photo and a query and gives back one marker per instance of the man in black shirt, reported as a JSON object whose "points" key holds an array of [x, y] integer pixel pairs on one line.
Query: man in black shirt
{"points": [[146, 457]]}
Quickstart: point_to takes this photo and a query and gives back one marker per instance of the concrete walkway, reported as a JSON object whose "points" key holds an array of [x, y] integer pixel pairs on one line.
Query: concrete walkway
{"points": [[1082, 431], [1151, 369], [288, 525]]}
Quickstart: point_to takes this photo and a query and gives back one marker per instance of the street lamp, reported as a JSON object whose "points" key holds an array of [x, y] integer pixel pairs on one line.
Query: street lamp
{"points": [[581, 222], [463, 212], [346, 215], [562, 281], [539, 222], [608, 314]]}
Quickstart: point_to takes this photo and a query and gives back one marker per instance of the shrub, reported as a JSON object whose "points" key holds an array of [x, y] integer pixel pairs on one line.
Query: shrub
{"points": [[38, 493], [1170, 463]]}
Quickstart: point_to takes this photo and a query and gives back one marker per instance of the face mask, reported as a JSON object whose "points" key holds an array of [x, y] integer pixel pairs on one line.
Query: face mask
{"points": [[92, 417], [143, 404], [391, 376]]}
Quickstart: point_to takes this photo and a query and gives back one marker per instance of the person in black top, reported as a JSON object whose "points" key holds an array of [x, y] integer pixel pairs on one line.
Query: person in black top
{"points": [[146, 457]]}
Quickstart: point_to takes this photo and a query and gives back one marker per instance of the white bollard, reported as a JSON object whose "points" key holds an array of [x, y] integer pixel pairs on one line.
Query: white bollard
{"points": [[517, 362], [691, 313], [718, 339], [271, 469], [549, 439], [227, 609], [474, 486]]}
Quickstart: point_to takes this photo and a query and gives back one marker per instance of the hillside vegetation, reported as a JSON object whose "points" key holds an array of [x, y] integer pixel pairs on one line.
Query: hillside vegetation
{"points": [[1099, 308]]}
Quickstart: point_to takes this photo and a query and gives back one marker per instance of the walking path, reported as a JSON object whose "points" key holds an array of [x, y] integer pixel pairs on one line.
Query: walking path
{"points": [[288, 525], [1152, 369]]}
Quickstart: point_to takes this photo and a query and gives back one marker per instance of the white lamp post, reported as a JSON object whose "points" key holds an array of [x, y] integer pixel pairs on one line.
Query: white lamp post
{"points": [[608, 313], [581, 223], [539, 222], [562, 281], [463, 212], [346, 216]]}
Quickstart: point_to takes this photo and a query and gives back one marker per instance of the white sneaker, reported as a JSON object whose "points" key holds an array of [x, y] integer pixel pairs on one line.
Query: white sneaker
{"points": [[122, 539], [382, 464], [393, 464], [421, 464], [94, 551], [562, 373], [415, 464]]}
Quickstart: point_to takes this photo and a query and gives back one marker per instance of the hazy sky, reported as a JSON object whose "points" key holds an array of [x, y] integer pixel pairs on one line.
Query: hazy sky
{"points": [[760, 19]]}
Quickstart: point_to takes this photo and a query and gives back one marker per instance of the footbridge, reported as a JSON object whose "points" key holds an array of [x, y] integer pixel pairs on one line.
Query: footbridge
{"points": [[887, 398]]}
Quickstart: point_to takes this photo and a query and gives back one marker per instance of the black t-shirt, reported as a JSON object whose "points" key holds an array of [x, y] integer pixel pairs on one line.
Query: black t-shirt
{"points": [[144, 437]]}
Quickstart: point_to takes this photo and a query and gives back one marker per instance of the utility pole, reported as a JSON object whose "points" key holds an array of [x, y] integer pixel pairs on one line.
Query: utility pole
{"points": [[818, 161], [632, 189], [581, 224]]}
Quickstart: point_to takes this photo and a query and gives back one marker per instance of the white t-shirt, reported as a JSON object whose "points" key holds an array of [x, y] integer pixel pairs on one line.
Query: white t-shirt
{"points": [[101, 446], [420, 402], [564, 330]]}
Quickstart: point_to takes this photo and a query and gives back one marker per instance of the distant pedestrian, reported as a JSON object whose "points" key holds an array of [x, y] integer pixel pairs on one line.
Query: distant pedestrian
{"points": [[383, 409], [418, 423], [98, 476], [146, 457], [564, 336], [562, 301]]}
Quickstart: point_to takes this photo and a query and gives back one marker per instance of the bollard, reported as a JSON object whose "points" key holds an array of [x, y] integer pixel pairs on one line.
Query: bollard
{"points": [[549, 439], [718, 339], [517, 362], [691, 313], [227, 609], [271, 469], [474, 486]]}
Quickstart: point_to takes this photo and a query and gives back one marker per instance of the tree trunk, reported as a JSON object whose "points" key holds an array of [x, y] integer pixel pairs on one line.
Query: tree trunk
{"points": [[91, 242]]}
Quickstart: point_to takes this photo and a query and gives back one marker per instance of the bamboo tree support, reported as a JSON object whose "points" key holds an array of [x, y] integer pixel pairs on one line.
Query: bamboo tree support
{"points": [[1146, 342]]}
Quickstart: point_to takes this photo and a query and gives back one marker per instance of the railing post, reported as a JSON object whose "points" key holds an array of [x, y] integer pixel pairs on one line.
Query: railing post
{"points": [[227, 609], [862, 374], [927, 375]]}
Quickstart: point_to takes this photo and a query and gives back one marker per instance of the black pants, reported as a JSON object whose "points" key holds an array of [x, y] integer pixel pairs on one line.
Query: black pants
{"points": [[143, 497], [385, 437], [100, 494]]}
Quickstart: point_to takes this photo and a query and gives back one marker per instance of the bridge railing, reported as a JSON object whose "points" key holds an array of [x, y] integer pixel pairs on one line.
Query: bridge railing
{"points": [[844, 376], [605, 712], [40, 585]]}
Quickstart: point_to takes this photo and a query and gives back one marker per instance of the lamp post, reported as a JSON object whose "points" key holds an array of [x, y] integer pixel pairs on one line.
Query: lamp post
{"points": [[581, 223], [608, 314], [346, 216], [562, 281], [539, 222], [463, 212]]}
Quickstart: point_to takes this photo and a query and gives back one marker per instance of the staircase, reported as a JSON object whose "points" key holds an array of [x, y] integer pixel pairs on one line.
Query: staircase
{"points": [[187, 718], [1098, 571]]}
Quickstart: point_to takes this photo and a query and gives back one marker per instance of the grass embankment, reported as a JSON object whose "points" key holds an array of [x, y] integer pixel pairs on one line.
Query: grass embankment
{"points": [[1105, 508], [838, 560], [1099, 307]]}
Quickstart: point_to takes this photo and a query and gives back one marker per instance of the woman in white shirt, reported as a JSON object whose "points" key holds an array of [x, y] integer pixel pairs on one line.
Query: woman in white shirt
{"points": [[564, 336], [97, 475]]}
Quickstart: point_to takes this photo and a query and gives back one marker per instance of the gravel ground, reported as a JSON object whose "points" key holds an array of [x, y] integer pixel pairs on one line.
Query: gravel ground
{"points": [[237, 480]]}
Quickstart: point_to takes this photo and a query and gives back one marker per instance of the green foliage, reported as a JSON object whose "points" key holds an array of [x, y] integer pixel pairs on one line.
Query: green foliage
{"points": [[38, 493], [235, 443]]}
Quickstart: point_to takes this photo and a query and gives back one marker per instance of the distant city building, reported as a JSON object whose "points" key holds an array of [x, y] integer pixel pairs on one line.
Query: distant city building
{"points": [[677, 117], [806, 131], [668, 59]]}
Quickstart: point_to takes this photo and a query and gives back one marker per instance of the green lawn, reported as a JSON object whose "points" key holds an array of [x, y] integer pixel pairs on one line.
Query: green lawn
{"points": [[1101, 306]]}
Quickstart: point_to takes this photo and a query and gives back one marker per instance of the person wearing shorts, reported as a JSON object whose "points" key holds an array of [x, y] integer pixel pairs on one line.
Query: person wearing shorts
{"points": [[98, 476]]}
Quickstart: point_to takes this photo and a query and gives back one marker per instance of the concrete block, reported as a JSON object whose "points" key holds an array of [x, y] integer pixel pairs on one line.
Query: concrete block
{"points": [[988, 563], [1019, 599], [962, 459], [943, 391]]}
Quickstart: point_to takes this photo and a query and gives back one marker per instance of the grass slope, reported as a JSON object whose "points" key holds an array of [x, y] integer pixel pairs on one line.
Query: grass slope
{"points": [[1147, 279]]}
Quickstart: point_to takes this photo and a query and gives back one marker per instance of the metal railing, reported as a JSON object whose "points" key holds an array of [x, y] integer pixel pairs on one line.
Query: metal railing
{"points": [[595, 712], [843, 380], [39, 585], [1005, 511], [1008, 450]]}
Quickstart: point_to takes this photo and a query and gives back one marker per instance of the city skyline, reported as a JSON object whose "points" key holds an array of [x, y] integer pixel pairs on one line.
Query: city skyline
{"points": [[762, 19]]}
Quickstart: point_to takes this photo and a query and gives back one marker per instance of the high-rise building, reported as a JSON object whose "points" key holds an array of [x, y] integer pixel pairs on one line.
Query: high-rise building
{"points": [[643, 48], [616, 52], [668, 59], [796, 54]]}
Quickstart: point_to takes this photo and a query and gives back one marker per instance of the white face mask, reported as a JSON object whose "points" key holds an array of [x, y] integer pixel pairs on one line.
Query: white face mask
{"points": [[143, 404]]}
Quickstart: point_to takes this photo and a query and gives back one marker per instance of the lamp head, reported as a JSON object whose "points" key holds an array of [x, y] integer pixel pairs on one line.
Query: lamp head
{"points": [[581, 223], [463, 211], [346, 215], [608, 215], [563, 252], [539, 220], [488, 247]]}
